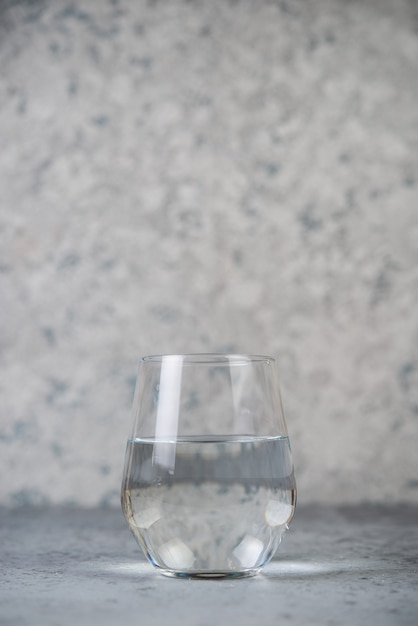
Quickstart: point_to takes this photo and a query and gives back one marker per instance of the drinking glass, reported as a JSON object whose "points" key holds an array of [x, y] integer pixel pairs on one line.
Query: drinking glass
{"points": [[208, 485]]}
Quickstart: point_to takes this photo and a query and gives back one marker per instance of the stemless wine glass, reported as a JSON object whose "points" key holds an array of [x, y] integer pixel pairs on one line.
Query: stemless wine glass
{"points": [[208, 486]]}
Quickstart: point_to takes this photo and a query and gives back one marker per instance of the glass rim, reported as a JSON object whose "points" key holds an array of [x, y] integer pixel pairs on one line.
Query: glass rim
{"points": [[208, 358]]}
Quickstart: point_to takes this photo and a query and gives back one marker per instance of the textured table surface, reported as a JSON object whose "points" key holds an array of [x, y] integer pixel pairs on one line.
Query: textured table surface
{"points": [[356, 565]]}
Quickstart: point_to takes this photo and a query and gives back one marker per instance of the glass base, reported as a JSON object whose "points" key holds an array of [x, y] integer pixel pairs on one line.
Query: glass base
{"points": [[209, 575]]}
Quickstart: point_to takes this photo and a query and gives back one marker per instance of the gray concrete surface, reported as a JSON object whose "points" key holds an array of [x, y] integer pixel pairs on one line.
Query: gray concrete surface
{"points": [[337, 566], [208, 176]]}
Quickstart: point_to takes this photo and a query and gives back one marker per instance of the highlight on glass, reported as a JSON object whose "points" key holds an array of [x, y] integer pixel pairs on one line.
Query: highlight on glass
{"points": [[208, 486]]}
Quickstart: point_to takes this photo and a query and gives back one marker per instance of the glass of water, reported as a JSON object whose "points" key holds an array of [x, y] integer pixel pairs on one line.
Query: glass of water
{"points": [[208, 486]]}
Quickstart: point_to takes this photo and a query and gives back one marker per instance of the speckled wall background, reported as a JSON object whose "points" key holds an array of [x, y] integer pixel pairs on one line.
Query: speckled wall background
{"points": [[193, 176]]}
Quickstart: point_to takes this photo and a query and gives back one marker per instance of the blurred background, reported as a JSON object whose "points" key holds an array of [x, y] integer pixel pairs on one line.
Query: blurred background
{"points": [[208, 176]]}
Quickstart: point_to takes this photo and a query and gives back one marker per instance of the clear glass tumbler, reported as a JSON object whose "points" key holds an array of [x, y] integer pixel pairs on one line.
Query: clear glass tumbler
{"points": [[208, 486]]}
